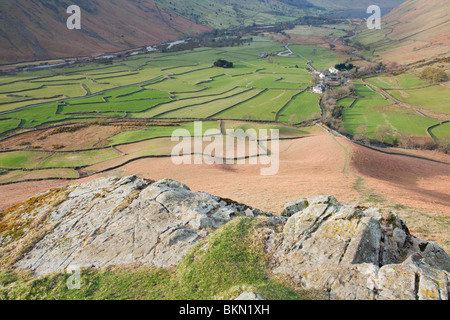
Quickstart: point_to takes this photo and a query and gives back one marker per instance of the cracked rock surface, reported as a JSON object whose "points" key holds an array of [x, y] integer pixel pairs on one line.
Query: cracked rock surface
{"points": [[115, 221], [358, 253]]}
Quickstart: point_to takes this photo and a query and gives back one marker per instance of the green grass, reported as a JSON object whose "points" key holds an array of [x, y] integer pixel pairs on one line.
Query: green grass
{"points": [[283, 129], [364, 112], [322, 58], [37, 115], [158, 131], [175, 108], [410, 122], [302, 107], [116, 106], [373, 113], [441, 131], [215, 106], [346, 102], [263, 107], [402, 81], [365, 92], [8, 124], [20, 175], [435, 98], [42, 160], [229, 261]]}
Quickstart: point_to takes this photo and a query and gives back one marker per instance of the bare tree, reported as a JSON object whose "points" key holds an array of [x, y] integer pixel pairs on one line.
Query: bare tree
{"points": [[362, 133], [382, 133]]}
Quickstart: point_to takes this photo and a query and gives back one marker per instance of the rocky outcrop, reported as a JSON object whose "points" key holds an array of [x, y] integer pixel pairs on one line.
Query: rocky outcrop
{"points": [[130, 220], [358, 253], [249, 296], [348, 252]]}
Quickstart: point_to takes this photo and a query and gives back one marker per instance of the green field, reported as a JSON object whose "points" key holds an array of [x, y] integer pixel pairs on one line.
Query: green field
{"points": [[302, 107], [158, 131], [377, 112], [321, 58], [182, 87], [43, 160], [435, 98], [442, 131], [164, 87], [373, 110], [402, 81]]}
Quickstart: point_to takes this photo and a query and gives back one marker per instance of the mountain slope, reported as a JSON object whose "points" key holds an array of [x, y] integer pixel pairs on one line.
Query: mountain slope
{"points": [[354, 4], [415, 30], [36, 29], [220, 14]]}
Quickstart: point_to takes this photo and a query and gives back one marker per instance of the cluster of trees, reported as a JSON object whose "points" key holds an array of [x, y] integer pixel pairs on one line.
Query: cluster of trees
{"points": [[332, 111], [223, 64], [344, 66], [433, 75], [383, 133], [366, 69], [387, 135]]}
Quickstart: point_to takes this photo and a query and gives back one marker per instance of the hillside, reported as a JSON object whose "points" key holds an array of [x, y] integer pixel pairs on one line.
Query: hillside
{"points": [[33, 30], [354, 5], [415, 30], [221, 14], [192, 245]]}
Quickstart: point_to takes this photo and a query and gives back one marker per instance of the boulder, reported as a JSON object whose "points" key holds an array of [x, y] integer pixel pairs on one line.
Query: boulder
{"points": [[358, 253], [112, 221], [249, 296]]}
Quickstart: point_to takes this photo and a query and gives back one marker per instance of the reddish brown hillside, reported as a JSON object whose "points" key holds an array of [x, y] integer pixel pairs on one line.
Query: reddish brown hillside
{"points": [[36, 29], [417, 30]]}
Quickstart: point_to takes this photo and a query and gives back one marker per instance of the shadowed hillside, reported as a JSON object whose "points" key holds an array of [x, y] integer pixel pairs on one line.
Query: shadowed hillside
{"points": [[415, 30], [32, 30]]}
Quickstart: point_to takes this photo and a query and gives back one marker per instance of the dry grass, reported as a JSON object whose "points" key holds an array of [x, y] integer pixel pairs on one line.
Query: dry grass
{"points": [[26, 224]]}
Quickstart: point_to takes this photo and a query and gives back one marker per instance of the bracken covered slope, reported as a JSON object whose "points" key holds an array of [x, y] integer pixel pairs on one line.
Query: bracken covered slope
{"points": [[35, 29], [413, 31]]}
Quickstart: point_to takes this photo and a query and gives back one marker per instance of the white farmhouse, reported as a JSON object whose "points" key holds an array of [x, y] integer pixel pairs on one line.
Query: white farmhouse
{"points": [[333, 70], [318, 89]]}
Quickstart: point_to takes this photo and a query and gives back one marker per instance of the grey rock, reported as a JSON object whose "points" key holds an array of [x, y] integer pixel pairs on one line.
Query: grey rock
{"points": [[249, 296], [112, 221], [348, 252], [359, 254]]}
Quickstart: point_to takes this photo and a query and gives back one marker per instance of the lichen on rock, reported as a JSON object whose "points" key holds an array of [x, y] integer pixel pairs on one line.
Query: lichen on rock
{"points": [[357, 253]]}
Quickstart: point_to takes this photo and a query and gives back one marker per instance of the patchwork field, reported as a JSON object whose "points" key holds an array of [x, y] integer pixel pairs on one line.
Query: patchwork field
{"points": [[76, 120], [403, 103]]}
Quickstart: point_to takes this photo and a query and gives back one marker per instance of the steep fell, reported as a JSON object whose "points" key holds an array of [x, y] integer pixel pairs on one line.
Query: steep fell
{"points": [[36, 30]]}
